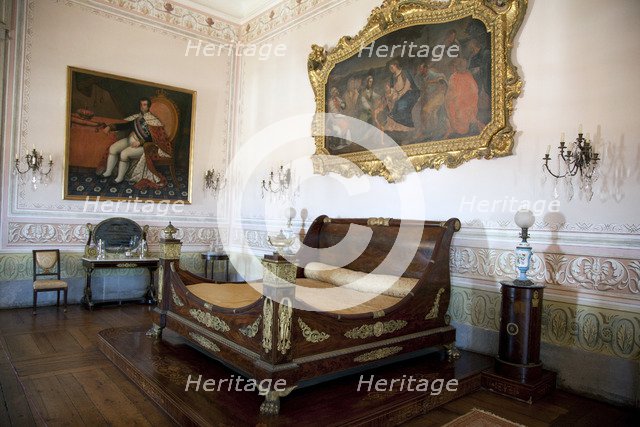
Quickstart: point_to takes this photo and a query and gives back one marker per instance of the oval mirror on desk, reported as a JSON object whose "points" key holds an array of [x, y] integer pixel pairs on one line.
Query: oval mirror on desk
{"points": [[117, 233]]}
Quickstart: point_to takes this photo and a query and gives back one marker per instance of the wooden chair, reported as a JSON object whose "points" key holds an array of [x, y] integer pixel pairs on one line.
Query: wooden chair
{"points": [[46, 263], [168, 113]]}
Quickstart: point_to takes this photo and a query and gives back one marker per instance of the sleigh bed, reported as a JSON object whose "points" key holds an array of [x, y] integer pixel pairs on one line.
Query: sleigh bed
{"points": [[386, 303]]}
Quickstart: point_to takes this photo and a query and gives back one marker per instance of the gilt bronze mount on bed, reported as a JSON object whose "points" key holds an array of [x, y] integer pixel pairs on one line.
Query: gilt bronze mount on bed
{"points": [[297, 330]]}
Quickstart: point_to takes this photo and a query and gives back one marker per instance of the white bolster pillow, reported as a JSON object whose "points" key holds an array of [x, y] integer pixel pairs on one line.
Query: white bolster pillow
{"points": [[357, 280]]}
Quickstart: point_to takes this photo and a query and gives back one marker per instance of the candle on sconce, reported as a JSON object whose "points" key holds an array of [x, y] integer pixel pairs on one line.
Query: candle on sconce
{"points": [[50, 159], [580, 128], [562, 137], [17, 157], [549, 149], [588, 138]]}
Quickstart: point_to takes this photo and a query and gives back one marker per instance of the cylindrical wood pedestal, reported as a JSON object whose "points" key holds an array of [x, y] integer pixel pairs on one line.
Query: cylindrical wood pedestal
{"points": [[519, 351]]}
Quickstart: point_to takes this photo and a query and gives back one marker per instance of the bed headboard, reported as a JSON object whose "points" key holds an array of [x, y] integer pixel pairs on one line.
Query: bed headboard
{"points": [[371, 241]]}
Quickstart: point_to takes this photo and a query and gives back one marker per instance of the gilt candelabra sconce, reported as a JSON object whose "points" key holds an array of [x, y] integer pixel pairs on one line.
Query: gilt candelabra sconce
{"points": [[577, 159], [35, 163], [213, 181], [278, 183]]}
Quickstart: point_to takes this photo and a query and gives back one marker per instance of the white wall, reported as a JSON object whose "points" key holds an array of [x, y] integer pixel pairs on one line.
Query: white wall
{"points": [[577, 67], [579, 60], [56, 35]]}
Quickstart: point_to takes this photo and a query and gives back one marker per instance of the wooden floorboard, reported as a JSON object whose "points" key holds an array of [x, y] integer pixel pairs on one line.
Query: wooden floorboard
{"points": [[14, 406], [52, 373], [87, 411], [110, 401]]}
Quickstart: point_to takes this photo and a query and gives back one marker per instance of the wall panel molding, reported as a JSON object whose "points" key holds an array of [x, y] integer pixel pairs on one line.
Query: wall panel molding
{"points": [[593, 329], [17, 198], [608, 278], [610, 275], [29, 234], [19, 266]]}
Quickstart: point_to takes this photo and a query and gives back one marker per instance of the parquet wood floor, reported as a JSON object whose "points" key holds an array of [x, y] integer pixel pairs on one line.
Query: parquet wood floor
{"points": [[52, 373]]}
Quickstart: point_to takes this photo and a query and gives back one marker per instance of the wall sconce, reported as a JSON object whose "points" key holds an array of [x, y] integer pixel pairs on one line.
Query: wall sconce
{"points": [[277, 182], [213, 181], [579, 157], [35, 164]]}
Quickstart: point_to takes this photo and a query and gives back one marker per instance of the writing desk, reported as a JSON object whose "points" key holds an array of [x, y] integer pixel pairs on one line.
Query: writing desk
{"points": [[91, 264]]}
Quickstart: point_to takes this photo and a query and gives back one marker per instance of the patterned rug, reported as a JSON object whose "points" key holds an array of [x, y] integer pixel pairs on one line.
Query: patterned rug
{"points": [[84, 182], [479, 418]]}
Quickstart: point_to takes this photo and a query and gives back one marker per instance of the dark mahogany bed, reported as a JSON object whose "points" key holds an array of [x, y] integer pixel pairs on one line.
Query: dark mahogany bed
{"points": [[334, 321]]}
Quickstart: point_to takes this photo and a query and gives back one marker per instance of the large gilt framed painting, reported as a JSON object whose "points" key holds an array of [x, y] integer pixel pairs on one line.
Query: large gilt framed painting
{"points": [[127, 139], [431, 80]]}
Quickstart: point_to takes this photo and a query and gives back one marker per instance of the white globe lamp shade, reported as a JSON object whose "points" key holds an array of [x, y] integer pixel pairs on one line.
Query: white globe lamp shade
{"points": [[524, 218]]}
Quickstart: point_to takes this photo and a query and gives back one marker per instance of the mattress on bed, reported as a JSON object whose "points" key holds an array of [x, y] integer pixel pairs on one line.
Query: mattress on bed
{"points": [[334, 299], [229, 295]]}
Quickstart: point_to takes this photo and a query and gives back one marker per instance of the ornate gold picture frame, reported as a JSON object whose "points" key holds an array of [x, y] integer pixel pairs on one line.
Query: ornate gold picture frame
{"points": [[435, 77]]}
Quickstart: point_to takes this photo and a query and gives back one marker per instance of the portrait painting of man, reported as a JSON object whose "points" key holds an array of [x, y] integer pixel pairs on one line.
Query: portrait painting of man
{"points": [[127, 139]]}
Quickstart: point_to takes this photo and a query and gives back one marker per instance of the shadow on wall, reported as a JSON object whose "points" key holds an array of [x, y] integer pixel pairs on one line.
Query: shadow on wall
{"points": [[552, 275], [615, 167], [472, 311]]}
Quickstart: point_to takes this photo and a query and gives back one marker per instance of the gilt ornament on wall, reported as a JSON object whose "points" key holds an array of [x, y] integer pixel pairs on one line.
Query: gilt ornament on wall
{"points": [[422, 85]]}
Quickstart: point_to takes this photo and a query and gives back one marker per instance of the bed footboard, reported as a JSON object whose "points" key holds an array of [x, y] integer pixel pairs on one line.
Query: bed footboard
{"points": [[273, 339]]}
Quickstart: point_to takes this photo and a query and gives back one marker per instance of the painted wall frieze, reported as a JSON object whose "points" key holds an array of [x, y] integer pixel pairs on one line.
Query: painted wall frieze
{"points": [[617, 276], [598, 330]]}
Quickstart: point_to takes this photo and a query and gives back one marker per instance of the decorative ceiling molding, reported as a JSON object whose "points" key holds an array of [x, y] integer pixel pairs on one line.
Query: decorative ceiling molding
{"points": [[170, 15], [237, 11], [287, 13], [212, 24]]}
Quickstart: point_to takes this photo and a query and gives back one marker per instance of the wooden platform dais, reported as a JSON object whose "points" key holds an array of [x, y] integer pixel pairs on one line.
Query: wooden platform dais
{"points": [[530, 391], [161, 369]]}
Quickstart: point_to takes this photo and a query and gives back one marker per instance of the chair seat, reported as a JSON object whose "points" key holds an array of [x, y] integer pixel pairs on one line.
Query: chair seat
{"points": [[40, 285]]}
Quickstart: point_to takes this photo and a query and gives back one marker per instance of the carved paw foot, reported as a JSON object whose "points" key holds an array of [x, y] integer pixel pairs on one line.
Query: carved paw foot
{"points": [[154, 332], [270, 406], [452, 352]]}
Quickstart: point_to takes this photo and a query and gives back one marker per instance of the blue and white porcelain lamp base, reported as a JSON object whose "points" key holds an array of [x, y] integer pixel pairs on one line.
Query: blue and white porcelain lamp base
{"points": [[524, 219], [518, 371], [523, 262]]}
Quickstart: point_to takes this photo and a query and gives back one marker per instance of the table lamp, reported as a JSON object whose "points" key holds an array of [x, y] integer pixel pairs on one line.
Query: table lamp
{"points": [[524, 219]]}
